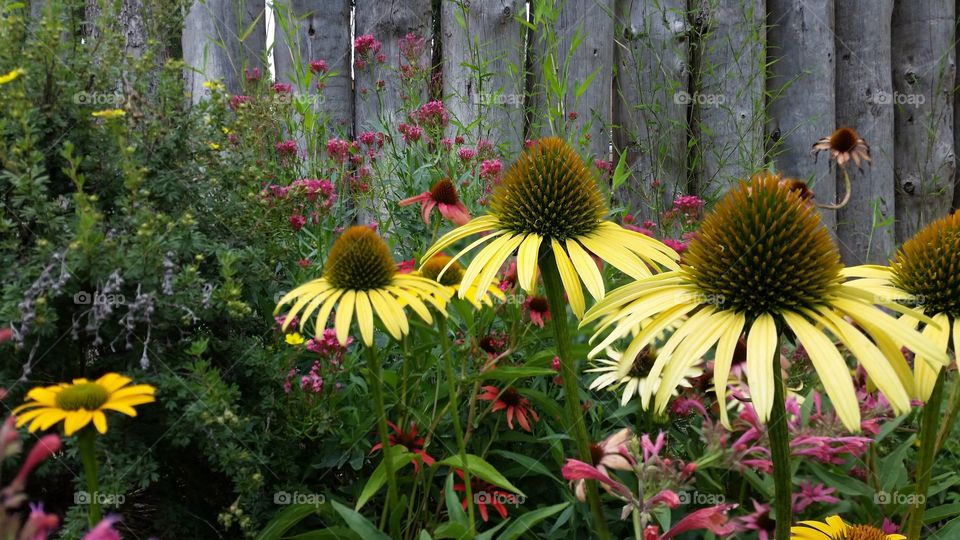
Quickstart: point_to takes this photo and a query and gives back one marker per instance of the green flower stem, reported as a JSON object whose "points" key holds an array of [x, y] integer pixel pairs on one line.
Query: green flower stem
{"points": [[455, 414], [929, 426], [780, 453], [86, 444], [558, 317], [375, 380]]}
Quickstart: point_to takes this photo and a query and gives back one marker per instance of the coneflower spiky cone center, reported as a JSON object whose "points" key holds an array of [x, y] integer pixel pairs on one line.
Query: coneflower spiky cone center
{"points": [[763, 250], [444, 192], [862, 532], [928, 266], [432, 268], [549, 191], [89, 396], [360, 260]]}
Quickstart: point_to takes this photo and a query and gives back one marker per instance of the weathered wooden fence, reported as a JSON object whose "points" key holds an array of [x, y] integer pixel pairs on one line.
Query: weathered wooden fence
{"points": [[697, 93]]}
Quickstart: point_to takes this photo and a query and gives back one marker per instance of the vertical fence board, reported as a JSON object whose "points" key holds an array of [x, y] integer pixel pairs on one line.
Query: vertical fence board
{"points": [[388, 21], [801, 89], [320, 31], [863, 74], [486, 98], [650, 122], [923, 80], [212, 45], [729, 98]]}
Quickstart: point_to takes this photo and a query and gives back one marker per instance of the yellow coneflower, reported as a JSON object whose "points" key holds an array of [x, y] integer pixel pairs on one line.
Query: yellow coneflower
{"points": [[763, 262], [81, 402], [452, 278], [361, 279], [549, 205], [925, 271], [844, 145], [835, 528], [631, 376], [11, 76]]}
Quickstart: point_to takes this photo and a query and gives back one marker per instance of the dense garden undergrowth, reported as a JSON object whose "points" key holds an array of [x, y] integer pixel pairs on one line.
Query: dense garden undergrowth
{"points": [[522, 393]]}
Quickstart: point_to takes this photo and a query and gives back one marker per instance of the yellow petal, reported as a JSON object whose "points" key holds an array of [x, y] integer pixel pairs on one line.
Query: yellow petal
{"points": [[344, 316], [51, 418], [723, 360], [586, 269], [113, 381], [761, 348], [568, 275], [76, 420], [364, 317], [527, 257], [385, 312], [926, 371], [415, 303], [625, 260], [474, 226], [485, 279], [100, 421], [134, 390], [325, 310]]}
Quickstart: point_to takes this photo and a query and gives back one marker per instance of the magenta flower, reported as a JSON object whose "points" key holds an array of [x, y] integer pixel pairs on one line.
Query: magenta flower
{"points": [[338, 149], [466, 154], [39, 524], [442, 196], [538, 308], [608, 453], [810, 494], [104, 530], [432, 114], [490, 168], [713, 519], [513, 402], [318, 66]]}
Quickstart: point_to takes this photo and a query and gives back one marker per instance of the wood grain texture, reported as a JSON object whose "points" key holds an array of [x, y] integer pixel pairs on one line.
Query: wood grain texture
{"points": [[487, 98], [924, 66], [650, 120], [212, 45], [729, 95], [863, 78], [801, 87], [320, 31]]}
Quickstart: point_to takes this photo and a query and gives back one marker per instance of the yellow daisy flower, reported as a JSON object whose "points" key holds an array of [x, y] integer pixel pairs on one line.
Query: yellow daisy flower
{"points": [[762, 263], [631, 376], [926, 271], [361, 278], [835, 528], [11, 75], [81, 402], [549, 205], [453, 277], [294, 338]]}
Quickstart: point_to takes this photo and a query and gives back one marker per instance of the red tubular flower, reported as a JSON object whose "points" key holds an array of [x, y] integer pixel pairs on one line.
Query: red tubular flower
{"points": [[443, 196], [539, 309], [45, 447], [411, 442], [511, 401]]}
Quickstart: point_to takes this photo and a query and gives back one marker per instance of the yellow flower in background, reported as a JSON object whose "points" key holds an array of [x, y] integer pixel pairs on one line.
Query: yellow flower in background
{"points": [[762, 264], [926, 271], [109, 113], [835, 528], [631, 376], [453, 277], [215, 86], [294, 338], [11, 75], [82, 402], [213, 146], [360, 278], [549, 205]]}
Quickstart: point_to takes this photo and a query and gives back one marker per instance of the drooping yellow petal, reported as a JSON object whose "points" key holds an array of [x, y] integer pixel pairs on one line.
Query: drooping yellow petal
{"points": [[344, 316], [586, 269], [325, 310], [474, 226], [761, 347], [624, 260], [482, 259], [830, 366], [135, 390], [614, 302], [527, 255], [414, 302], [568, 275], [655, 301], [473, 245], [100, 421], [691, 351], [111, 382], [308, 293], [875, 321], [652, 329], [364, 317], [385, 312], [926, 371], [76, 420], [485, 279], [723, 360]]}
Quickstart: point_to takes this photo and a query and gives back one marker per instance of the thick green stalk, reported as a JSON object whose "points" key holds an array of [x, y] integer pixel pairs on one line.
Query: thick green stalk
{"points": [[455, 414], [558, 317], [86, 442], [375, 380], [780, 453], [929, 426]]}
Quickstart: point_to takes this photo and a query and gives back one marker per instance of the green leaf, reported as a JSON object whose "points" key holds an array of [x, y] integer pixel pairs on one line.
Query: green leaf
{"points": [[942, 512], [527, 462], [527, 521], [285, 519], [511, 373], [400, 457], [481, 469], [454, 507], [330, 533], [844, 483], [358, 523], [621, 173], [949, 531]]}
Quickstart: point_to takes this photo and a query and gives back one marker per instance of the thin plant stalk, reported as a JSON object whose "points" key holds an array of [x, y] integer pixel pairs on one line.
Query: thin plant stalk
{"points": [[780, 453], [86, 442], [558, 310], [455, 414], [929, 426], [376, 385]]}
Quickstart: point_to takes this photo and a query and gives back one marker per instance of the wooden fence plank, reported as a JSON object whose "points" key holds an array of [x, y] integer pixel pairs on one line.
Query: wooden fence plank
{"points": [[212, 32], [729, 95], [320, 30], [388, 21], [923, 64], [863, 76], [801, 90], [488, 98], [650, 120]]}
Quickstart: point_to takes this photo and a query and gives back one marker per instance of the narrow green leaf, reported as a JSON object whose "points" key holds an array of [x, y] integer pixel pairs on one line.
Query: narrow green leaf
{"points": [[285, 519], [400, 457], [358, 523], [480, 468], [527, 521]]}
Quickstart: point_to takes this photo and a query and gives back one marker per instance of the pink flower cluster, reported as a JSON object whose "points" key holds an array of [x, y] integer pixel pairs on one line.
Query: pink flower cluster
{"points": [[367, 48], [687, 207], [304, 197], [327, 346], [490, 169], [338, 150], [318, 66], [410, 133], [432, 115]]}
